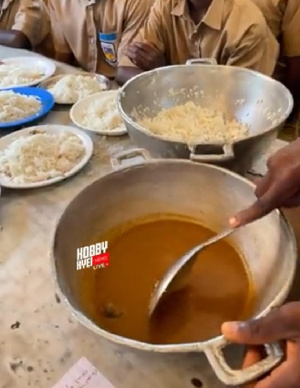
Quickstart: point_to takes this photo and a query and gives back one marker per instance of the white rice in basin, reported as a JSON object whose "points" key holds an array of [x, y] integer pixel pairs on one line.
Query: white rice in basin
{"points": [[190, 124]]}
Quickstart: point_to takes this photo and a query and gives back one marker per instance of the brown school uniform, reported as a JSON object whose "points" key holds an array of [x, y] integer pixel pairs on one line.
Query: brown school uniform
{"points": [[27, 16], [96, 32], [233, 32], [283, 18]]}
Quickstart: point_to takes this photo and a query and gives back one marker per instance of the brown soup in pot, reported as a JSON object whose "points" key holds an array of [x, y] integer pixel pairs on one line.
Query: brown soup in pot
{"points": [[117, 297]]}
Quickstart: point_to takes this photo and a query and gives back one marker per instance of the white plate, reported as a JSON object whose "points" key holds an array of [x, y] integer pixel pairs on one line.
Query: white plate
{"points": [[50, 82], [46, 65], [81, 106], [5, 141]]}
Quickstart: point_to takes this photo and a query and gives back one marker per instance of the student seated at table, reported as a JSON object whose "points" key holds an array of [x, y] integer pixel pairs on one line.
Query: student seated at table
{"points": [[283, 18], [23, 23], [94, 33], [233, 32]]}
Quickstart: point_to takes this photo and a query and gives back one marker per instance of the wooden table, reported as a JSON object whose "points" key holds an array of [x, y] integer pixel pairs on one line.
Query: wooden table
{"points": [[39, 339]]}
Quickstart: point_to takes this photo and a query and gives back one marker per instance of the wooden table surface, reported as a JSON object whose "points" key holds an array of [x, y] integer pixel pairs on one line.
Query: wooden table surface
{"points": [[39, 339]]}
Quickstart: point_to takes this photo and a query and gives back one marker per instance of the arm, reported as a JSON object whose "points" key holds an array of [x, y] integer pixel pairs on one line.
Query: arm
{"points": [[64, 57], [32, 21], [150, 33], [125, 73], [14, 39], [280, 187], [293, 75], [257, 50], [291, 44], [135, 16], [62, 49]]}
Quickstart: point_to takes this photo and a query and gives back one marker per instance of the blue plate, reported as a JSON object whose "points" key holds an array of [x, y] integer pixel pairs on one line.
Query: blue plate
{"points": [[46, 99]]}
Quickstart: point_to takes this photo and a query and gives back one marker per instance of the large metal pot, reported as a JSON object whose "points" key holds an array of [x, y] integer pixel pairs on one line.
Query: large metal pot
{"points": [[208, 193], [256, 100]]}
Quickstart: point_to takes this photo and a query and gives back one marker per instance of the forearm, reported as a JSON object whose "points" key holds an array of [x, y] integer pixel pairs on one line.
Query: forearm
{"points": [[63, 57], [14, 39], [293, 75], [124, 74]]}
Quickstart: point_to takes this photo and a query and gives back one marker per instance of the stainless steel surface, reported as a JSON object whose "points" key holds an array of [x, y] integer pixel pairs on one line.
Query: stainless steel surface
{"points": [[176, 276], [254, 99], [104, 80], [202, 61], [207, 193]]}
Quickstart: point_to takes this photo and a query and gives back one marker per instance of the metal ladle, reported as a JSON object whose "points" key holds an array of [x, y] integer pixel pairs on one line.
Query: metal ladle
{"points": [[176, 276]]}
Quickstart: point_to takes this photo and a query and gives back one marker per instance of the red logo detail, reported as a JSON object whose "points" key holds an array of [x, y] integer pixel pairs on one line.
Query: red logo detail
{"points": [[102, 259]]}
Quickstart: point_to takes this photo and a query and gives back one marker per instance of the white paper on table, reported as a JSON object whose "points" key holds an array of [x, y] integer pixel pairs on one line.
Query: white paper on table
{"points": [[83, 375]]}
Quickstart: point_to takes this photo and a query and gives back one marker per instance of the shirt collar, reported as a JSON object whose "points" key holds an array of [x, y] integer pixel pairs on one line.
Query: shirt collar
{"points": [[212, 18], [89, 2], [214, 15], [180, 8], [5, 4]]}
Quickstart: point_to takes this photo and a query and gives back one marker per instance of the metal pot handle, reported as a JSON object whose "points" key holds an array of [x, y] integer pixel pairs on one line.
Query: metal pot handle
{"points": [[233, 377], [202, 61], [116, 160], [228, 155]]}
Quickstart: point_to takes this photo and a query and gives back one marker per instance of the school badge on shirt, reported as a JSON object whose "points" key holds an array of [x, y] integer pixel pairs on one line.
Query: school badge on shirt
{"points": [[108, 43]]}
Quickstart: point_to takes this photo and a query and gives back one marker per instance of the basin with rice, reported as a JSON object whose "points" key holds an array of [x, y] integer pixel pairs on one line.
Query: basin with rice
{"points": [[258, 101]]}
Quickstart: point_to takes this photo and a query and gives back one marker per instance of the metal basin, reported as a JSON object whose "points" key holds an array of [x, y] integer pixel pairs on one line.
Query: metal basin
{"points": [[205, 192], [254, 99]]}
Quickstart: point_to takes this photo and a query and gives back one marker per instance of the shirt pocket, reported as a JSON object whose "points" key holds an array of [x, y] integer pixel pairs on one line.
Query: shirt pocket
{"points": [[109, 46]]}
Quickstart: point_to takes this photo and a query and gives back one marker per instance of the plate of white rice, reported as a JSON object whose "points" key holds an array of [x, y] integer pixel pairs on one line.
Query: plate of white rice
{"points": [[25, 71], [42, 155], [99, 114], [20, 106], [70, 88]]}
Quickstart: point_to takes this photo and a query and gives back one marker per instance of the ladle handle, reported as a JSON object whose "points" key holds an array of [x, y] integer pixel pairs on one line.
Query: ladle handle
{"points": [[227, 232], [234, 377]]}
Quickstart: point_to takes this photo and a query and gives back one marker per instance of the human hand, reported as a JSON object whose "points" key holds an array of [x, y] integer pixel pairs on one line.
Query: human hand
{"points": [[145, 56], [280, 187], [282, 324]]}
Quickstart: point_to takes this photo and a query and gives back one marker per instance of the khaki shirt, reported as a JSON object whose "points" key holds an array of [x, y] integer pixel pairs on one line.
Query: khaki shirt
{"points": [[27, 16], [283, 17], [233, 32], [77, 25]]}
